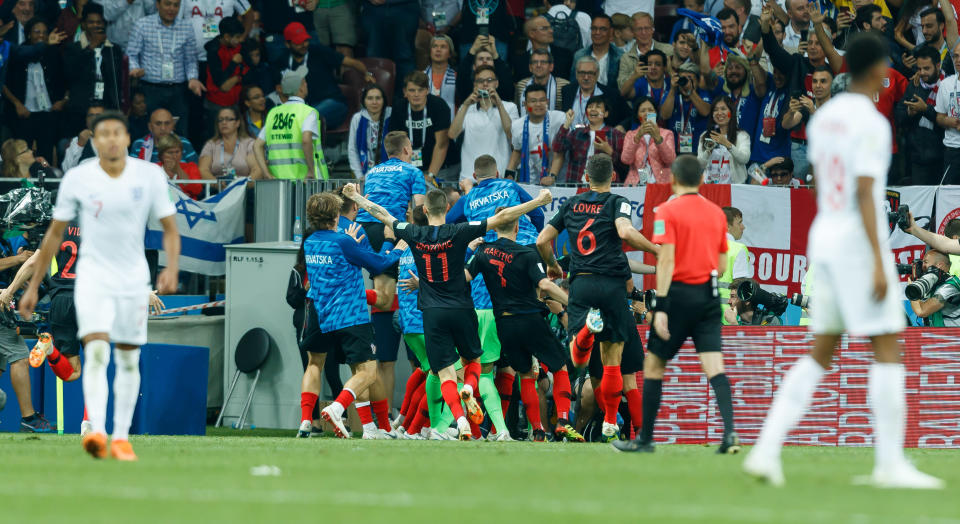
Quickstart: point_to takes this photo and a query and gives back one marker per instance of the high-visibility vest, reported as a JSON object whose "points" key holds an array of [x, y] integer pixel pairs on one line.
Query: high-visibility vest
{"points": [[955, 265], [734, 249], [284, 145], [808, 292]]}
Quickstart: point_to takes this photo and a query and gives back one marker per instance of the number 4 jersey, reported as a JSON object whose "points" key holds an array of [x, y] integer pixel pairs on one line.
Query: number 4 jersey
{"points": [[594, 245], [439, 253]]}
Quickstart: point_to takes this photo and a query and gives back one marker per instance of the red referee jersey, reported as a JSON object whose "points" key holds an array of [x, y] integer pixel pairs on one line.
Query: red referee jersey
{"points": [[698, 230]]}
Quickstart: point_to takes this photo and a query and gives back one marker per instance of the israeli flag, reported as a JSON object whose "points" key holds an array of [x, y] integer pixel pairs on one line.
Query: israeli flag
{"points": [[205, 226]]}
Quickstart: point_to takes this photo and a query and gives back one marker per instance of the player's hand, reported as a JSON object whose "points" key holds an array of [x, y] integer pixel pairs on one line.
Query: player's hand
{"points": [[6, 299], [23, 255], [555, 307], [913, 224], [660, 325], [27, 302], [350, 191], [879, 281], [545, 197], [355, 232], [411, 284], [475, 243], [554, 271], [156, 305], [167, 282], [401, 245]]}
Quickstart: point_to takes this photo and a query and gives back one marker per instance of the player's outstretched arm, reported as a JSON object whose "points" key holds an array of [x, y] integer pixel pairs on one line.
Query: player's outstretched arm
{"points": [[939, 242], [167, 279], [634, 238], [48, 248], [545, 248], [640, 268], [378, 211], [552, 290], [511, 214]]}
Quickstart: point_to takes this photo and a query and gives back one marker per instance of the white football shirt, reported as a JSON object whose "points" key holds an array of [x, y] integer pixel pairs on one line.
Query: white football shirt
{"points": [[848, 139], [113, 214]]}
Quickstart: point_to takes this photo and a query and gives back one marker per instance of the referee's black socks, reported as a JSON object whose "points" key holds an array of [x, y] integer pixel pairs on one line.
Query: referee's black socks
{"points": [[721, 388], [652, 389]]}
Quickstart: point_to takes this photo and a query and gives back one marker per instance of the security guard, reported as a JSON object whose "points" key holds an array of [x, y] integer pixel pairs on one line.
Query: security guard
{"points": [[291, 135], [738, 257], [692, 233]]}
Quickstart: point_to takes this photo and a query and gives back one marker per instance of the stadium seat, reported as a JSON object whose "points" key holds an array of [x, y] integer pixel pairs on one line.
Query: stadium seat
{"points": [[664, 17], [385, 72], [250, 355], [352, 94]]}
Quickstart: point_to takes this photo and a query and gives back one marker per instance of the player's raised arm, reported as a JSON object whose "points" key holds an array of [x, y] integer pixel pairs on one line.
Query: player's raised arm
{"points": [[868, 215], [512, 214], [378, 211], [48, 248]]}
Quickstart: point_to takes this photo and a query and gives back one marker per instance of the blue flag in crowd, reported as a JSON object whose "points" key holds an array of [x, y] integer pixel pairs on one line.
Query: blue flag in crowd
{"points": [[707, 27]]}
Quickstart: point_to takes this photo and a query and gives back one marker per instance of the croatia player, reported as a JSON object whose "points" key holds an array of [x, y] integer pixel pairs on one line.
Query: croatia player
{"points": [[113, 198], [856, 281]]}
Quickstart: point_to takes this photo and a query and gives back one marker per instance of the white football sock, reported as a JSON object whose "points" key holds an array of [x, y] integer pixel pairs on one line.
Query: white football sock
{"points": [[95, 387], [888, 403], [789, 405], [126, 389]]}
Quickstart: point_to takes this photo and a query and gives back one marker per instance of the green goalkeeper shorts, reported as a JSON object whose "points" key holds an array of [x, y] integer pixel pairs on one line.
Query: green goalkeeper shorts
{"points": [[489, 340]]}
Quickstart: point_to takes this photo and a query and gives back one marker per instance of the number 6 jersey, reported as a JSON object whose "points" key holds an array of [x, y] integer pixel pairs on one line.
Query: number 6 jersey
{"points": [[594, 245]]}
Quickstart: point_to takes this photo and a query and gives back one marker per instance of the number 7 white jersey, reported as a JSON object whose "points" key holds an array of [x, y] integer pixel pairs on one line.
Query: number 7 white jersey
{"points": [[848, 139]]}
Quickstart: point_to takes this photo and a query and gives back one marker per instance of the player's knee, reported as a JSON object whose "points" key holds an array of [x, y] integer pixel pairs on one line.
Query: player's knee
{"points": [[98, 353], [128, 359]]}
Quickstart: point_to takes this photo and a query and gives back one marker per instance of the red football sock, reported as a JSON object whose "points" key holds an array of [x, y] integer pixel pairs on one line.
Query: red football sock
{"points": [[452, 397], [366, 415], [345, 398], [599, 398], [421, 416], [307, 401], [413, 382], [612, 382], [581, 347], [504, 383], [371, 297], [471, 374], [414, 405], [561, 394], [474, 430], [528, 393], [85, 416], [382, 410], [635, 403], [59, 364]]}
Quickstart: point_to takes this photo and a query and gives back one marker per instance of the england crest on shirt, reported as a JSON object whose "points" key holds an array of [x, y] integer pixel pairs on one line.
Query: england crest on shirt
{"points": [[886, 83], [137, 193]]}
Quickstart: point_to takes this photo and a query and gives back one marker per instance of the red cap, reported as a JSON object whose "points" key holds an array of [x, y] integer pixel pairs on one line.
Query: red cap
{"points": [[295, 33]]}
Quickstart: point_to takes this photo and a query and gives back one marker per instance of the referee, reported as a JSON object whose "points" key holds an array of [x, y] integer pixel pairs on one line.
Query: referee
{"points": [[691, 232]]}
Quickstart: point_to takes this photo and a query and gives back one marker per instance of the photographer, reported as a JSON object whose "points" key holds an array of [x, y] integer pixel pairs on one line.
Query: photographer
{"points": [[949, 245], [937, 292], [759, 310]]}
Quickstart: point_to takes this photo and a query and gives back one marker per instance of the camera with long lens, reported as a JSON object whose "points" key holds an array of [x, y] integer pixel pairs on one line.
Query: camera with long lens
{"points": [[772, 303], [925, 285], [800, 300], [900, 217]]}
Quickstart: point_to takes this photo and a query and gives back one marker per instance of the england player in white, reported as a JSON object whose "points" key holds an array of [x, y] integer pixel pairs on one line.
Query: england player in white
{"points": [[113, 197], [856, 284]]}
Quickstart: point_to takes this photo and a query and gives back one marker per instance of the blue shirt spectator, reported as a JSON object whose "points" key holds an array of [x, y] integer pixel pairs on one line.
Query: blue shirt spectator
{"points": [[769, 137]]}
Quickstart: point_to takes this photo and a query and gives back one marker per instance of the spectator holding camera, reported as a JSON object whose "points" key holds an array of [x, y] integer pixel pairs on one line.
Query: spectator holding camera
{"points": [[648, 149], [483, 52], [938, 303], [724, 147], [801, 107], [686, 108], [746, 312]]}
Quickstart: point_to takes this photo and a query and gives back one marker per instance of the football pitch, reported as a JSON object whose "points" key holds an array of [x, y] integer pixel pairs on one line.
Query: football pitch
{"points": [[209, 479]]}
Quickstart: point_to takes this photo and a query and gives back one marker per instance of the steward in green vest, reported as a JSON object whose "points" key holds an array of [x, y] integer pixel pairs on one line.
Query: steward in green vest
{"points": [[738, 257], [291, 135]]}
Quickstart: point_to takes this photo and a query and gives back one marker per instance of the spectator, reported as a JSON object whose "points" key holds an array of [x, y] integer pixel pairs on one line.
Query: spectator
{"points": [[81, 147], [275, 16], [229, 154], [622, 31], [685, 49], [501, 27], [780, 172], [225, 69], [934, 25], [483, 52], [948, 117], [561, 10], [23, 11], [18, 159], [391, 28], [254, 109], [35, 88], [648, 78], [541, 73], [322, 65], [259, 72], [122, 15], [730, 25], [684, 23], [606, 54], [870, 18], [161, 124], [291, 135], [648, 149], [98, 71], [540, 36], [163, 55], [749, 23], [770, 138], [725, 149], [206, 18], [532, 136], [426, 119], [438, 18], [800, 110], [171, 156], [799, 24], [576, 95], [685, 108], [942, 307], [485, 121], [746, 83], [70, 17], [643, 31], [368, 126], [581, 142], [443, 78], [138, 120], [916, 118]]}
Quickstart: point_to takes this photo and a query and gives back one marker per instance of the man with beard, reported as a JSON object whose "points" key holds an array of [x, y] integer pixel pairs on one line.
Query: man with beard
{"points": [[802, 108], [732, 30], [745, 87], [916, 118], [948, 117], [932, 25]]}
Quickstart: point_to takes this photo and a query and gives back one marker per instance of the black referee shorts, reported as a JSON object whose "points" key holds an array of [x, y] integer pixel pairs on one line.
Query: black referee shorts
{"points": [[609, 295], [63, 323], [694, 312], [374, 232], [631, 361], [450, 334], [525, 336]]}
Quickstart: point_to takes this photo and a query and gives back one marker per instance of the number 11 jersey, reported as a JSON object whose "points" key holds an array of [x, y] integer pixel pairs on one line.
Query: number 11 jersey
{"points": [[594, 245]]}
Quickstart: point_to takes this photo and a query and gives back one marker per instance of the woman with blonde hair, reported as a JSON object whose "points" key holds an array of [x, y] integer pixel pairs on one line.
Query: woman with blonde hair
{"points": [[443, 78]]}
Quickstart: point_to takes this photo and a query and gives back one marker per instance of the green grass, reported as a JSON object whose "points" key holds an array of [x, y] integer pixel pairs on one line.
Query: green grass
{"points": [[208, 479]]}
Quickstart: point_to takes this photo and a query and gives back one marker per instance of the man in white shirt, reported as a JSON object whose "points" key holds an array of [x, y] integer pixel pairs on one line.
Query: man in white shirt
{"points": [[799, 23], [532, 138], [81, 147], [948, 117], [205, 17], [121, 15], [485, 121], [113, 199]]}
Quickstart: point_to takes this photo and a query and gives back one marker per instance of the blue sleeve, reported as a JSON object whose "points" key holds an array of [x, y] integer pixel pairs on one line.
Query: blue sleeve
{"points": [[387, 246], [16, 243], [456, 212], [373, 262], [535, 216], [419, 185]]}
